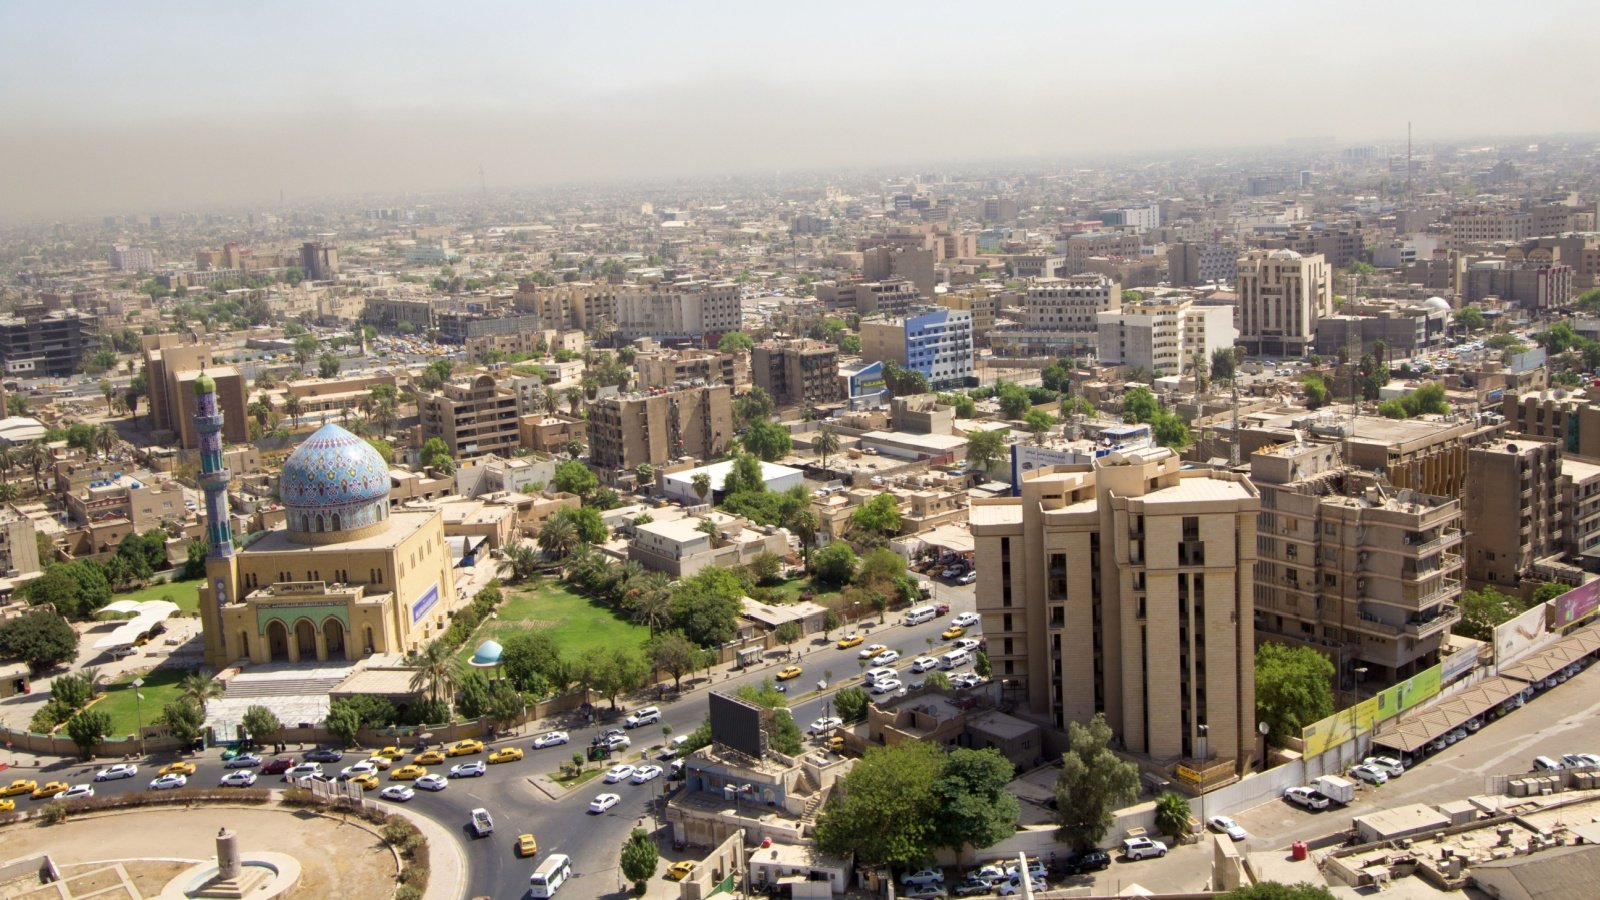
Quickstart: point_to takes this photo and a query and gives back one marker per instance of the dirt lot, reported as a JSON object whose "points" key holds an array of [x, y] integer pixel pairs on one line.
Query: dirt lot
{"points": [[337, 860]]}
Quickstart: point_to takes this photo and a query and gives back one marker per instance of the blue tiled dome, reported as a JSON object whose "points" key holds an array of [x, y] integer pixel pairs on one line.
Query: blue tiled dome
{"points": [[334, 481]]}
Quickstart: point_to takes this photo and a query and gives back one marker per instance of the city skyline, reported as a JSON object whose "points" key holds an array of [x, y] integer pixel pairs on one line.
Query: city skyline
{"points": [[173, 105]]}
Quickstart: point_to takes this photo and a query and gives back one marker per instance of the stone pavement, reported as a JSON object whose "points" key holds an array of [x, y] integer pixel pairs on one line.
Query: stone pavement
{"points": [[447, 865]]}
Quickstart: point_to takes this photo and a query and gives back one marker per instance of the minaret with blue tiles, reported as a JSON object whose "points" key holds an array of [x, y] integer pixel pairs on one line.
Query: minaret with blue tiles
{"points": [[214, 478]]}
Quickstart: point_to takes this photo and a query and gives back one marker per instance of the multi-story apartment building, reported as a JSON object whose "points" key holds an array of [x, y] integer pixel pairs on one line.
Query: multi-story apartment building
{"points": [[1060, 316], [1125, 587], [894, 297], [39, 342], [978, 301], [392, 312], [460, 326], [1483, 225], [319, 261], [1137, 219], [1513, 510], [1532, 284], [696, 311], [1282, 294], [1340, 246], [1000, 209], [655, 428], [1366, 575], [1580, 507], [19, 549], [914, 266], [1190, 263], [935, 341], [1079, 248], [1162, 336], [170, 370], [800, 372], [1405, 329], [132, 259], [1572, 423], [578, 305], [474, 418], [665, 368]]}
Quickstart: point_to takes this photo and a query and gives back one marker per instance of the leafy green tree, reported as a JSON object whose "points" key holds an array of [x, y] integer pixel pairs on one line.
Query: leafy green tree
{"points": [[1014, 403], [328, 365], [834, 564], [1092, 786], [879, 516], [1039, 422], [305, 349], [850, 704], [1224, 364], [1294, 687], [184, 720], [1273, 890], [41, 639], [1547, 592], [768, 440], [981, 665], [624, 671], [87, 729], [785, 734], [705, 606], [1558, 338], [1316, 391], [1139, 405], [1170, 430], [436, 455], [754, 405], [531, 660], [1468, 317], [850, 343], [974, 806], [343, 722], [573, 477], [675, 654], [1482, 611], [985, 448], [261, 724], [472, 694], [767, 568], [937, 679], [1173, 815], [639, 859], [787, 633], [887, 812], [736, 342]]}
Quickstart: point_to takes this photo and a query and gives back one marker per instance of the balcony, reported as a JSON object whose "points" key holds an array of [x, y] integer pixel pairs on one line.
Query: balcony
{"points": [[1448, 539], [1446, 616], [1444, 588]]}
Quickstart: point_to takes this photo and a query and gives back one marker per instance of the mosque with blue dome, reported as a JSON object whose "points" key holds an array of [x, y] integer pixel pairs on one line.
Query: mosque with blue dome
{"points": [[348, 577]]}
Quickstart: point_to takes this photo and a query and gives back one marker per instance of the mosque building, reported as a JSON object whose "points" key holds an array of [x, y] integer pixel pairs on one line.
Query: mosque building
{"points": [[346, 579]]}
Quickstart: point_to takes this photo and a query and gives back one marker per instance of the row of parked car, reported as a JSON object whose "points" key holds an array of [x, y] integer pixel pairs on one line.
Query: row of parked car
{"points": [[1002, 877]]}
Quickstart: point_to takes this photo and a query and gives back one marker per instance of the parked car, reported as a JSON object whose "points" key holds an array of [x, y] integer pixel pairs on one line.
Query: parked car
{"points": [[1307, 797], [1143, 848], [1013, 885], [924, 892], [922, 876], [1391, 767], [968, 578], [968, 644], [924, 664], [824, 725], [649, 715], [1227, 826], [970, 886], [1088, 861], [886, 686], [1369, 774], [966, 620]]}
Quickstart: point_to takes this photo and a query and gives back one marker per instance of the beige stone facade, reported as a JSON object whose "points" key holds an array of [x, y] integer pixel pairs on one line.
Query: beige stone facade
{"points": [[1282, 294], [627, 430], [475, 418]]}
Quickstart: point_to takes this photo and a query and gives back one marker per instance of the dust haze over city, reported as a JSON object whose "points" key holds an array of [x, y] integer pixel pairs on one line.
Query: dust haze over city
{"points": [[875, 451], [176, 103]]}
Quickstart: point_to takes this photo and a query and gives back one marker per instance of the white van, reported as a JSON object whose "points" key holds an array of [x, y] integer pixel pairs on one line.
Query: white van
{"points": [[919, 614], [879, 674], [550, 876], [954, 659]]}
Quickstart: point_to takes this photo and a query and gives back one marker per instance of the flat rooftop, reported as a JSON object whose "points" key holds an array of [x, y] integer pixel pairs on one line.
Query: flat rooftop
{"points": [[402, 525]]}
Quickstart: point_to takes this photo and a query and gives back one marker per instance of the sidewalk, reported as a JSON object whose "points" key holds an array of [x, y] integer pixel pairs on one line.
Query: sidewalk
{"points": [[447, 865]]}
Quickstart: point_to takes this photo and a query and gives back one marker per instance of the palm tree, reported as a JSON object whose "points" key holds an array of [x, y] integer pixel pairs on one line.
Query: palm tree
{"points": [[8, 461], [8, 492], [1199, 368], [649, 600], [804, 524], [291, 406], [826, 442], [35, 456], [384, 414], [701, 483], [438, 673], [199, 690], [574, 399], [521, 562], [558, 537], [105, 440], [106, 390], [552, 403], [709, 527]]}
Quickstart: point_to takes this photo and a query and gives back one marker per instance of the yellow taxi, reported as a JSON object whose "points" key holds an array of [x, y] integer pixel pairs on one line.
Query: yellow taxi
{"points": [[381, 763], [834, 743], [680, 870], [506, 754], [49, 789], [429, 758], [527, 846], [7, 805], [390, 752], [177, 768], [788, 672], [407, 773], [953, 632], [20, 786], [367, 780], [466, 747], [850, 640]]}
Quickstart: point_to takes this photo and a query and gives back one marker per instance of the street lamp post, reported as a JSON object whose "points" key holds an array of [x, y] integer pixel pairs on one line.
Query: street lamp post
{"points": [[138, 712], [1205, 752]]}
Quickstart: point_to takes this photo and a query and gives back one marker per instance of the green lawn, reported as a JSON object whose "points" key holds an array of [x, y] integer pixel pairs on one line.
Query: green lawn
{"points": [[571, 781], [575, 624], [790, 590], [184, 593], [160, 688]]}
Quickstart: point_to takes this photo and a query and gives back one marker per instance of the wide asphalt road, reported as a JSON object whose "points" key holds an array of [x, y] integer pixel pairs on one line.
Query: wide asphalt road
{"points": [[563, 825]]}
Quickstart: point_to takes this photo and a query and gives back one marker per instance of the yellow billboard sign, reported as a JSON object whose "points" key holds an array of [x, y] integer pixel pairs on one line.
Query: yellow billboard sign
{"points": [[1349, 723]]}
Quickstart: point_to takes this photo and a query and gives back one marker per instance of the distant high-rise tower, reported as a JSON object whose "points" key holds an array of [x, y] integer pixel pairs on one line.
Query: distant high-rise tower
{"points": [[319, 261]]}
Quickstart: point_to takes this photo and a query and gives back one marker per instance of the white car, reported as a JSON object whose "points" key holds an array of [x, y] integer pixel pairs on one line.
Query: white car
{"points": [[397, 792], [304, 770], [825, 725], [646, 773], [968, 644], [468, 769], [1310, 798], [968, 578], [924, 664], [966, 620], [922, 876], [120, 770], [1390, 766], [77, 790], [239, 779], [1228, 827], [924, 892], [243, 761], [886, 657], [603, 802], [550, 739], [360, 768], [964, 680], [1143, 848], [646, 716], [871, 650], [1369, 774], [168, 782], [887, 686], [433, 783], [619, 772]]}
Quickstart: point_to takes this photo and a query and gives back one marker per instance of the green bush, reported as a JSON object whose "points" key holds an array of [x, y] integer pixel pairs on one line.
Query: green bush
{"points": [[416, 876], [53, 813], [407, 892]]}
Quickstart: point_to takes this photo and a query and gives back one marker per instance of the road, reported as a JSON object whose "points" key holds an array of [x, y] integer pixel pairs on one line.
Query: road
{"points": [[562, 825]]}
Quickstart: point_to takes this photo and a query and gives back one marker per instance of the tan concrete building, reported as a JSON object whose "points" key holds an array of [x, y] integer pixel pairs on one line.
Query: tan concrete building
{"points": [[981, 303], [801, 372], [578, 305], [1059, 317], [1126, 587], [1513, 511], [474, 417], [630, 429], [19, 549], [170, 372], [665, 368], [696, 311], [1369, 576], [1282, 293], [1572, 422]]}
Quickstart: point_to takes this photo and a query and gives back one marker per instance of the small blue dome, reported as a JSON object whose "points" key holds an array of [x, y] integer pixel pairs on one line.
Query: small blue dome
{"points": [[487, 655], [334, 481]]}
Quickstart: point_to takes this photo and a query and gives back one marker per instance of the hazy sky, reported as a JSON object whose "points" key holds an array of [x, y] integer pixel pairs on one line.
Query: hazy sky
{"points": [[147, 106]]}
